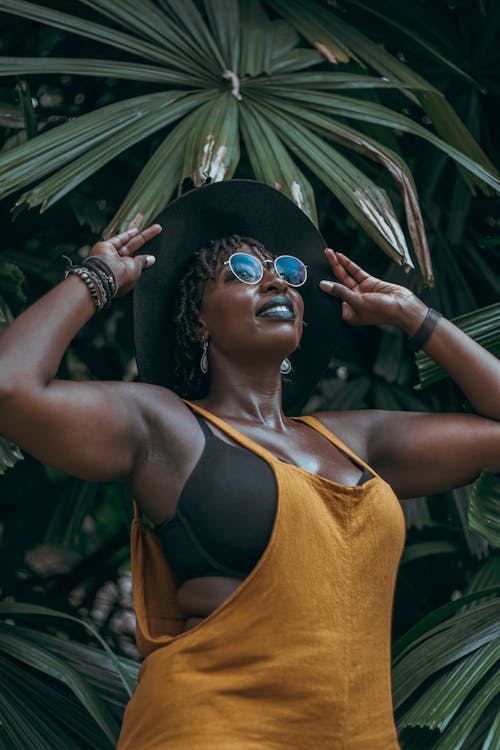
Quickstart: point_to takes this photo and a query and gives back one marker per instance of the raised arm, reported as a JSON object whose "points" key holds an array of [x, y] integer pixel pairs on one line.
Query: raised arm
{"points": [[421, 453], [92, 430]]}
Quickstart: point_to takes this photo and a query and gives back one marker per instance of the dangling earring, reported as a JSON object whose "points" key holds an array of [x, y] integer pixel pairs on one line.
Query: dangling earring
{"points": [[204, 358], [286, 366]]}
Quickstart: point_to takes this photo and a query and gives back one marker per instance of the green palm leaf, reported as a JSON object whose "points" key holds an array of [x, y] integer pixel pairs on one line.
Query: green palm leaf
{"points": [[410, 29], [26, 706], [17, 647], [457, 735], [14, 66], [42, 714], [484, 508], [423, 549], [482, 325], [454, 662], [224, 20], [156, 182], [8, 609], [256, 48], [436, 708], [316, 80], [212, 149], [358, 141], [271, 161], [239, 50], [54, 188], [419, 632], [174, 51], [368, 203], [442, 646], [34, 159], [344, 106], [93, 663], [338, 41]]}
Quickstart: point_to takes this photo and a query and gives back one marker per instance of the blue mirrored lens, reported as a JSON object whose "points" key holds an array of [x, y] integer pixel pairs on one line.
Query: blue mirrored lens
{"points": [[291, 269], [246, 268]]}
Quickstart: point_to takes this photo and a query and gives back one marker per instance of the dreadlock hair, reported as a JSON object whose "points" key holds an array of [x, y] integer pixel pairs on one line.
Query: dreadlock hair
{"points": [[189, 381]]}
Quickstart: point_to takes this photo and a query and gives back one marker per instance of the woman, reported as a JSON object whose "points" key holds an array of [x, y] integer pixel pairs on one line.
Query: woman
{"points": [[263, 593]]}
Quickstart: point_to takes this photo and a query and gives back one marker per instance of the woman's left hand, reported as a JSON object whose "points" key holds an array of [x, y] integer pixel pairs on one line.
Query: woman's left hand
{"points": [[367, 300]]}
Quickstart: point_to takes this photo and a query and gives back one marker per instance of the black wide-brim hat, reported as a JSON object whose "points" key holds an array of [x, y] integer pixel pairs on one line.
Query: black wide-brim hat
{"points": [[216, 210]]}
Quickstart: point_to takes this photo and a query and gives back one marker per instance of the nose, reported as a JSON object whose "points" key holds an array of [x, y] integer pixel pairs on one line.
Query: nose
{"points": [[271, 280]]}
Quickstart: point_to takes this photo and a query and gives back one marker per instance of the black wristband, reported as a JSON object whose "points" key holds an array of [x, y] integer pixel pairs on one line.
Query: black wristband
{"points": [[420, 338]]}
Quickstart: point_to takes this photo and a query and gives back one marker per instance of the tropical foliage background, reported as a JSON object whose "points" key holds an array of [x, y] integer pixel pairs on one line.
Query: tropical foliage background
{"points": [[379, 119]]}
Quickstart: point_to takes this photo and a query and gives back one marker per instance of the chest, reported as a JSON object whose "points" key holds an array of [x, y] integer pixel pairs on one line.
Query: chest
{"points": [[302, 446]]}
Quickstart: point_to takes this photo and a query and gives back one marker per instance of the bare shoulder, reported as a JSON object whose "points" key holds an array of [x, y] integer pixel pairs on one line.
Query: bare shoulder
{"points": [[169, 422], [354, 428], [174, 445]]}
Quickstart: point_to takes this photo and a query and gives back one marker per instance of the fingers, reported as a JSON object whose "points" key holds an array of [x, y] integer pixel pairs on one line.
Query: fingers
{"points": [[339, 291], [145, 261], [346, 271], [119, 240], [140, 238], [129, 242]]}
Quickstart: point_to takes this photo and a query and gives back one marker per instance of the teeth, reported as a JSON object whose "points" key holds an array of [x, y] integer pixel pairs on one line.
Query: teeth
{"points": [[277, 308]]}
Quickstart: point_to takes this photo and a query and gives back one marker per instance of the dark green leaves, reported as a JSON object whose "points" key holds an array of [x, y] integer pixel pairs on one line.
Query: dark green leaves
{"points": [[235, 72]]}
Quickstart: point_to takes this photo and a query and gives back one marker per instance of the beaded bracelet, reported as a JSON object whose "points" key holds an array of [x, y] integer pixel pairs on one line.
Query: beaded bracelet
{"points": [[423, 334], [108, 276], [97, 277]]}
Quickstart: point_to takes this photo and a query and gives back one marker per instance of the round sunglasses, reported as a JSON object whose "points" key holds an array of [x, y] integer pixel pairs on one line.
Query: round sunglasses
{"points": [[250, 270]]}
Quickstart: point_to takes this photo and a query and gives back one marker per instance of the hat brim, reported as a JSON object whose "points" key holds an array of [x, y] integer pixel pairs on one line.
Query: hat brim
{"points": [[220, 209]]}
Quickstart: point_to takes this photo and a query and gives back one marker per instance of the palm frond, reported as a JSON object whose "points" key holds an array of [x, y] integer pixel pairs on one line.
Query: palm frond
{"points": [[256, 46], [212, 149], [460, 652], [173, 51], [484, 508], [15, 66], [319, 80], [423, 549], [343, 106], [340, 42], [413, 32], [366, 202], [34, 159], [439, 704], [156, 182], [107, 146], [482, 325], [435, 621], [460, 502], [224, 20], [42, 712], [11, 609], [368, 147], [16, 646], [39, 713], [271, 161]]}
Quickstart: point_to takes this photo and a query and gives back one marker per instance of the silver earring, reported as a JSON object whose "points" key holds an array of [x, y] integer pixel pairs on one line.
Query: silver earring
{"points": [[204, 358], [286, 366]]}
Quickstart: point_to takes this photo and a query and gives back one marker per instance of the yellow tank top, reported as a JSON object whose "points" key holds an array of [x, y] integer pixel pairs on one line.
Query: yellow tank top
{"points": [[298, 657]]}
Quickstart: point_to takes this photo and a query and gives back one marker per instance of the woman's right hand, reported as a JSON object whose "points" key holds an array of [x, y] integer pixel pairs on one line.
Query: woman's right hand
{"points": [[119, 254]]}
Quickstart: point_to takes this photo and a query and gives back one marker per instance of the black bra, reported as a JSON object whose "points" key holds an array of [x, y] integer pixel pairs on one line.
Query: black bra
{"points": [[225, 513]]}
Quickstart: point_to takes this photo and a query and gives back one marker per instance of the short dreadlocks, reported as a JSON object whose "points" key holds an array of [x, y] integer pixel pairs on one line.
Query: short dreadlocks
{"points": [[190, 382]]}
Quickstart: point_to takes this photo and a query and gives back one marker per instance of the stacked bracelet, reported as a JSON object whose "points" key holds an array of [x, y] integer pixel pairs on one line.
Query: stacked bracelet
{"points": [[107, 276], [423, 334], [97, 277]]}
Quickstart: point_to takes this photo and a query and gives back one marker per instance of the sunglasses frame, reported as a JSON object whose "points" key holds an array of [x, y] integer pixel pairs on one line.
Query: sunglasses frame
{"points": [[262, 262]]}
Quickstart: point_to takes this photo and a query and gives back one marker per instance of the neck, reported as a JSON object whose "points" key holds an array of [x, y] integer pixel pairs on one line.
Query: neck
{"points": [[246, 395]]}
